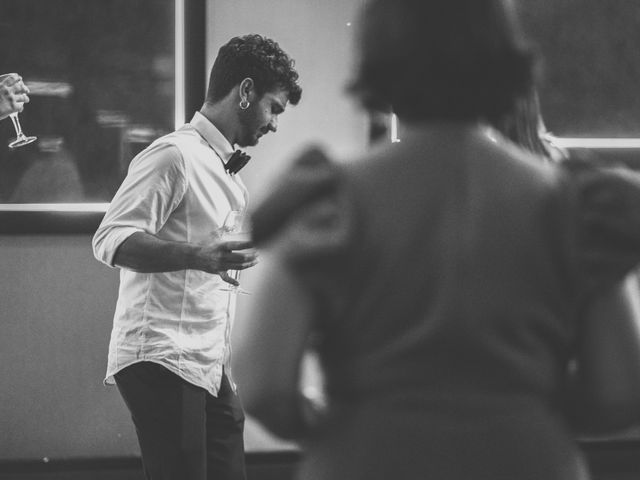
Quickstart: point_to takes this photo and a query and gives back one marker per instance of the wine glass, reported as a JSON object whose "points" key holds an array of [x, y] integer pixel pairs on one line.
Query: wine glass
{"points": [[21, 139], [233, 229]]}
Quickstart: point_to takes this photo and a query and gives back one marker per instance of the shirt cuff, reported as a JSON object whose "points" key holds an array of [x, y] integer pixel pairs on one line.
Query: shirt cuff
{"points": [[106, 245]]}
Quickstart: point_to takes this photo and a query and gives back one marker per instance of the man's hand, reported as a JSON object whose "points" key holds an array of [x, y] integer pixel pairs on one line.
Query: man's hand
{"points": [[146, 253], [13, 94], [222, 255]]}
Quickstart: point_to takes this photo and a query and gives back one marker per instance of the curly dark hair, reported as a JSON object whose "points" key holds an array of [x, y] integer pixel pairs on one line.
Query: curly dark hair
{"points": [[442, 59], [257, 57]]}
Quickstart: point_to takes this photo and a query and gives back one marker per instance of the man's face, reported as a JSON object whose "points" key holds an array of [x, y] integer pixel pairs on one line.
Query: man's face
{"points": [[261, 117]]}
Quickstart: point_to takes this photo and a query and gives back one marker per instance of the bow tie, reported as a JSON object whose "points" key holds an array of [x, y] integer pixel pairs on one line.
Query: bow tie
{"points": [[238, 160]]}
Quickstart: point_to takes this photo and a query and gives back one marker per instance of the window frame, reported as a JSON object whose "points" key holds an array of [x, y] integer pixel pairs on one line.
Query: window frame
{"points": [[190, 85]]}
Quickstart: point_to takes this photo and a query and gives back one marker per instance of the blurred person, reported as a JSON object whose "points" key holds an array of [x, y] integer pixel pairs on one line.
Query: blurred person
{"points": [[13, 94], [465, 314], [169, 351]]}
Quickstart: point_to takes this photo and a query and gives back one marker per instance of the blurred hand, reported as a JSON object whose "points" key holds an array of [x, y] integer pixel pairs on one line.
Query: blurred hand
{"points": [[610, 200], [13, 94], [609, 222]]}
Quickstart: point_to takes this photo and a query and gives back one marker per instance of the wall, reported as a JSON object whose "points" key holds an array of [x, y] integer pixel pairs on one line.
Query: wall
{"points": [[57, 302], [316, 35], [57, 305]]}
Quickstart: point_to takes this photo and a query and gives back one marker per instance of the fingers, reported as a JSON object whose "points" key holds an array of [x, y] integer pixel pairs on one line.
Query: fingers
{"points": [[9, 79], [20, 95], [19, 87], [22, 98], [229, 279], [13, 94], [239, 255], [14, 83], [235, 255], [237, 244], [238, 260]]}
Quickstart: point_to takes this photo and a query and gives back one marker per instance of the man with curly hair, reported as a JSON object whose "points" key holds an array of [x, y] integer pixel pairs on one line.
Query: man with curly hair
{"points": [[169, 352]]}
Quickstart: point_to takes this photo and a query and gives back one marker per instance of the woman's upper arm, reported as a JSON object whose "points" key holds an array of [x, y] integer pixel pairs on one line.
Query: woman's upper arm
{"points": [[305, 233], [271, 340]]}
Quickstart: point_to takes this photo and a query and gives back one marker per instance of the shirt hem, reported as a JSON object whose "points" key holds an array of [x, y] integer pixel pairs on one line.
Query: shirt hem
{"points": [[109, 379]]}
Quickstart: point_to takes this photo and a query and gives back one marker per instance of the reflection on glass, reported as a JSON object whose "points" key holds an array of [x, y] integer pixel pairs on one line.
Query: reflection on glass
{"points": [[96, 70], [591, 66]]}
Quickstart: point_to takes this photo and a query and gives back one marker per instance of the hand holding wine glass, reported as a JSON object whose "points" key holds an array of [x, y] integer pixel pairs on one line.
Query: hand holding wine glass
{"points": [[235, 231], [13, 96]]}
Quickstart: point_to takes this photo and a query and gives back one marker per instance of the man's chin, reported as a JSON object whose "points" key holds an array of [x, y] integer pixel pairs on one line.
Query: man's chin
{"points": [[246, 143], [249, 142]]}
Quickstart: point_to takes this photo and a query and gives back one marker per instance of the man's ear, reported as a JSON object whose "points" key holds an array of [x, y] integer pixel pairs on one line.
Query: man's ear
{"points": [[247, 89]]}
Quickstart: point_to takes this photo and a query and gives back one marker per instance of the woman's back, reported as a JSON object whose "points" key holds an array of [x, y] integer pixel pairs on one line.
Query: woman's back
{"points": [[462, 242], [457, 325]]}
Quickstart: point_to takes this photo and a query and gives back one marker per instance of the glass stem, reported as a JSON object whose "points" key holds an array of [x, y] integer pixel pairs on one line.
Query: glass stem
{"points": [[16, 125]]}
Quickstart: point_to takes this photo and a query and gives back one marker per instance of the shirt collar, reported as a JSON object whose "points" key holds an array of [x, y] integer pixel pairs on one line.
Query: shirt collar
{"points": [[213, 136]]}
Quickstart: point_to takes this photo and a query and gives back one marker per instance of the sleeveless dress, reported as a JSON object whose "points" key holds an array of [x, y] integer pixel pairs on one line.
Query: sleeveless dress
{"points": [[447, 298]]}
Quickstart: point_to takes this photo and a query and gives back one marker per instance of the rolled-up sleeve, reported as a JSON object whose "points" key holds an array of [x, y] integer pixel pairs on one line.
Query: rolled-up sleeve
{"points": [[154, 186]]}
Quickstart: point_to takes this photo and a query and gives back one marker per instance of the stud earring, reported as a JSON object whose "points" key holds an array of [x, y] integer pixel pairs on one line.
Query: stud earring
{"points": [[244, 104]]}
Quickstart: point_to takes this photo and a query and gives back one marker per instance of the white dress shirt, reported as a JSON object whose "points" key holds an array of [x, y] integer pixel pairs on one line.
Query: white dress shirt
{"points": [[176, 189]]}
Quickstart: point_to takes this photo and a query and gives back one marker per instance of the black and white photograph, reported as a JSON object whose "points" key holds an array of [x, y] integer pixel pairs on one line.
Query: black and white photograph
{"points": [[320, 240]]}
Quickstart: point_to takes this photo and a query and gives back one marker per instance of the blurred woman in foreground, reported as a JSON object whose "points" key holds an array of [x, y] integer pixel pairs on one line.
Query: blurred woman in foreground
{"points": [[459, 306]]}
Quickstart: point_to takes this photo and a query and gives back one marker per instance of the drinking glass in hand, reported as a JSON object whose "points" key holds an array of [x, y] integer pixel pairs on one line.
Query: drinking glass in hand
{"points": [[233, 230], [21, 139]]}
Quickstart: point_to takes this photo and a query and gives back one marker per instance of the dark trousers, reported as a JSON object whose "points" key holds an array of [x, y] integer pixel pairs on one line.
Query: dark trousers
{"points": [[184, 432]]}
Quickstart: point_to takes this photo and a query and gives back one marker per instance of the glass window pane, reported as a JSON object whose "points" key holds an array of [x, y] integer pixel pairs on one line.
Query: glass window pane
{"points": [[101, 74], [591, 67]]}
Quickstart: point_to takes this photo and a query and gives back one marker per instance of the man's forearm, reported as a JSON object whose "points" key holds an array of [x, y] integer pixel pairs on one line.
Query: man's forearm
{"points": [[145, 253]]}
